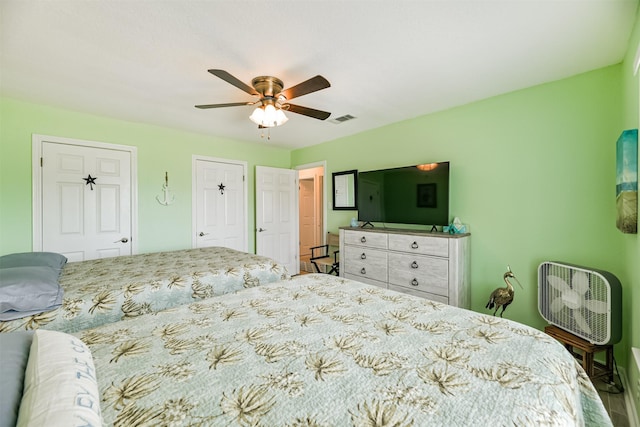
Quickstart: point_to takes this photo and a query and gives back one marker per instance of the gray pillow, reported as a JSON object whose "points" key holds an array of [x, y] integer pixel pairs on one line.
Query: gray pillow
{"points": [[24, 290], [14, 354], [24, 259]]}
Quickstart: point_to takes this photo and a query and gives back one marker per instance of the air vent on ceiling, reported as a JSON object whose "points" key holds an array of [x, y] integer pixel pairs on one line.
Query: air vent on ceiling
{"points": [[342, 119]]}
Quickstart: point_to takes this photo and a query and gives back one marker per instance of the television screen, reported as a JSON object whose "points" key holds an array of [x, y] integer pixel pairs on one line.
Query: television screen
{"points": [[407, 195]]}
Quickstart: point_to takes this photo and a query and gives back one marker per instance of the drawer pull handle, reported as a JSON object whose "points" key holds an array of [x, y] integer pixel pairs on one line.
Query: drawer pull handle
{"points": [[414, 264], [414, 282], [414, 245], [363, 271], [363, 256], [363, 239]]}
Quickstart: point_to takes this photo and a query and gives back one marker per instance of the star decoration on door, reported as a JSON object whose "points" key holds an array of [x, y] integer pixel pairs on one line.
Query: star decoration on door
{"points": [[91, 181], [221, 187]]}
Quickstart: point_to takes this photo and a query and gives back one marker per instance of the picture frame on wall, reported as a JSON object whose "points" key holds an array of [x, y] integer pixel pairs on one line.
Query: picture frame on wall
{"points": [[627, 181], [345, 190]]}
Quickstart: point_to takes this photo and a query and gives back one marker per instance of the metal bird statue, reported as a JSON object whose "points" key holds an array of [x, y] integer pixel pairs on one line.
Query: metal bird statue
{"points": [[502, 297]]}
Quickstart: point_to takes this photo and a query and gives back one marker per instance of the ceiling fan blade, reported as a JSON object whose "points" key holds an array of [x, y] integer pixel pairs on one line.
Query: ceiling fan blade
{"points": [[231, 104], [306, 111], [234, 81], [312, 85]]}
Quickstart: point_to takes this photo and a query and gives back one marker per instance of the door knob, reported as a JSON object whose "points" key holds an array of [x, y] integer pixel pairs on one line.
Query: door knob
{"points": [[123, 240], [202, 233], [261, 229]]}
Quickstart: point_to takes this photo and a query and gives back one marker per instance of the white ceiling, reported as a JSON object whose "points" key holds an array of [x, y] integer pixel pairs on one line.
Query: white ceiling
{"points": [[146, 60]]}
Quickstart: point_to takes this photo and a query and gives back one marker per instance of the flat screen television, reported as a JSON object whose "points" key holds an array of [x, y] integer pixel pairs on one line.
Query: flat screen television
{"points": [[416, 194]]}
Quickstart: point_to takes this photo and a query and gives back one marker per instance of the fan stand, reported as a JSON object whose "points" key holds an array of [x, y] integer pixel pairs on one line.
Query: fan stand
{"points": [[593, 368]]}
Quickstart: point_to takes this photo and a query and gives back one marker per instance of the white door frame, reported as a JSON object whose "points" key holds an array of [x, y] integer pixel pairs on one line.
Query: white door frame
{"points": [[194, 195], [322, 163], [36, 177]]}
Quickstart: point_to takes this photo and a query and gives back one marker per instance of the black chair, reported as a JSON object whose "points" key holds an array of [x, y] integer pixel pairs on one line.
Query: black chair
{"points": [[327, 255]]}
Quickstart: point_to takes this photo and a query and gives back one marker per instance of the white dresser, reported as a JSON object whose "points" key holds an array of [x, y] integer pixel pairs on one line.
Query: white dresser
{"points": [[426, 264]]}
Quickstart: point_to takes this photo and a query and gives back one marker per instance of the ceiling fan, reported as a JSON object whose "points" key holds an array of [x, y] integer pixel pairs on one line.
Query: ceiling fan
{"points": [[274, 100]]}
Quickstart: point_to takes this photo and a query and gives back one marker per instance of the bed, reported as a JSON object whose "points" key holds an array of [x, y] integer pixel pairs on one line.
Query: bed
{"points": [[111, 289], [318, 350]]}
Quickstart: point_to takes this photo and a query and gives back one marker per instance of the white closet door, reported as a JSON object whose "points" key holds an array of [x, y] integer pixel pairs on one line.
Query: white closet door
{"points": [[80, 218], [220, 204]]}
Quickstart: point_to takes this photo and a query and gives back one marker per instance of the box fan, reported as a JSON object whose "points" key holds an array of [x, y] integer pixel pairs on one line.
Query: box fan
{"points": [[585, 302]]}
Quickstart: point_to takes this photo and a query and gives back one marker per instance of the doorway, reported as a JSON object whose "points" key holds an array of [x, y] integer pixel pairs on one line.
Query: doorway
{"points": [[311, 211]]}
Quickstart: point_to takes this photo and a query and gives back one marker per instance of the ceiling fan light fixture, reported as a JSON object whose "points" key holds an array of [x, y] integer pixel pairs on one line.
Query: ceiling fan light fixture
{"points": [[257, 116], [268, 116], [280, 117]]}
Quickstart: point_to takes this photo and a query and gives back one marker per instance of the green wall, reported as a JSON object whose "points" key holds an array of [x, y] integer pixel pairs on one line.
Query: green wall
{"points": [[532, 173], [159, 150], [631, 113]]}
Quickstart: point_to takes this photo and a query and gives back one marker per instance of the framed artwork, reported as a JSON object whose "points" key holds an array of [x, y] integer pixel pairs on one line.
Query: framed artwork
{"points": [[427, 196], [627, 181], [345, 190]]}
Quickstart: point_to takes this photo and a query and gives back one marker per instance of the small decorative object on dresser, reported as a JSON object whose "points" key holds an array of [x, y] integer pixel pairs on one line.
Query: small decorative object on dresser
{"points": [[502, 297], [417, 262]]}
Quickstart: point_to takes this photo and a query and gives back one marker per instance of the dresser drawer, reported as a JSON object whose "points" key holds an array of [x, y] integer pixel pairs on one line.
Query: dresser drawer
{"points": [[425, 245], [363, 238], [365, 262], [366, 280], [364, 255], [419, 272], [421, 294]]}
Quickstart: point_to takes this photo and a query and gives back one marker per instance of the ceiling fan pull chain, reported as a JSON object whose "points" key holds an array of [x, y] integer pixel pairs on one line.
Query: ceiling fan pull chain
{"points": [[268, 133]]}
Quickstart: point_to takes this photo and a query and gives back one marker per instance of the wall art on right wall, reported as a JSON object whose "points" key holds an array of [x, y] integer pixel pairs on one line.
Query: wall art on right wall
{"points": [[627, 181]]}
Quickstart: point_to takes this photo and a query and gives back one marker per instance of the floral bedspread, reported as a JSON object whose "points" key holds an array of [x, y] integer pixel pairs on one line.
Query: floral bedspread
{"points": [[318, 350], [111, 289]]}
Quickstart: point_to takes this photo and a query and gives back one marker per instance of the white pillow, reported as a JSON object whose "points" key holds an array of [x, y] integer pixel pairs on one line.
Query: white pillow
{"points": [[60, 387]]}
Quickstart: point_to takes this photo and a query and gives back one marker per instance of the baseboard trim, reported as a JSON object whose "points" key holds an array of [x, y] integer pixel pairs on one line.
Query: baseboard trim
{"points": [[630, 404]]}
